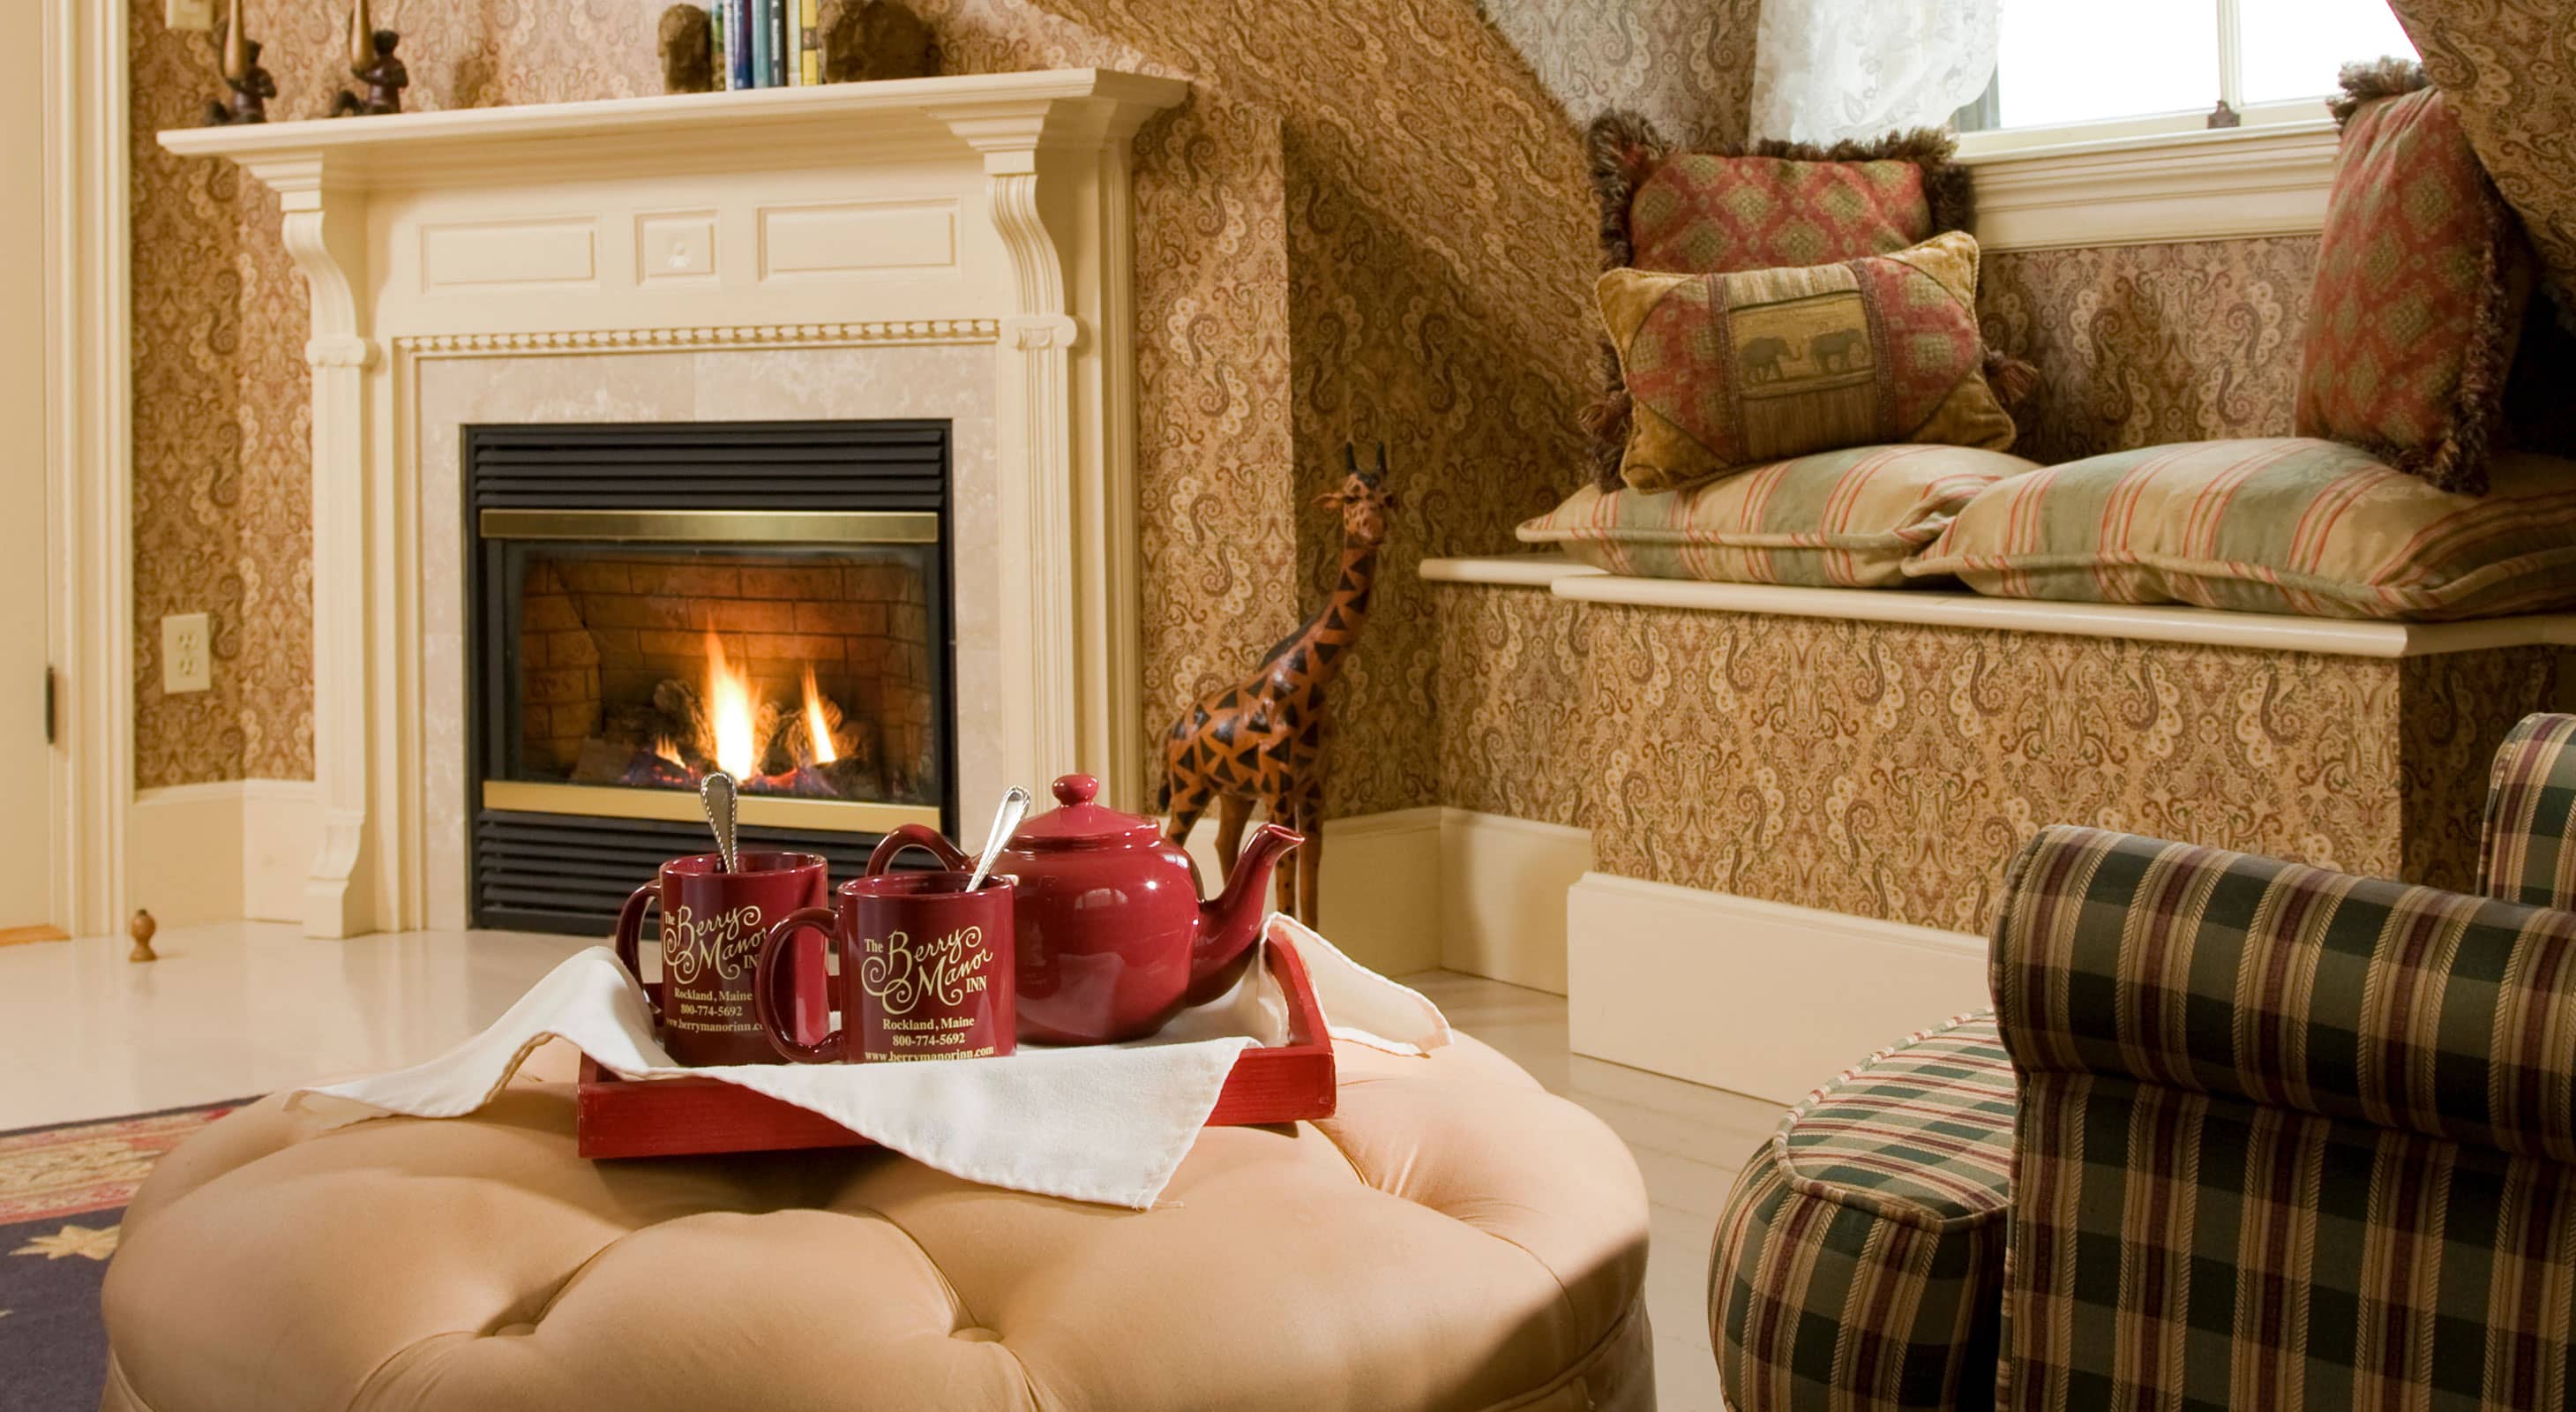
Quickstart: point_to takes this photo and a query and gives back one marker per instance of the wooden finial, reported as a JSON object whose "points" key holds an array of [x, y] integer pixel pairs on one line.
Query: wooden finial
{"points": [[141, 929], [362, 36], [236, 46]]}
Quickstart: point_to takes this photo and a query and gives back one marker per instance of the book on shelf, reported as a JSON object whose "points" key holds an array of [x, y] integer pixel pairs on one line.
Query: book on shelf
{"points": [[722, 69], [809, 41]]}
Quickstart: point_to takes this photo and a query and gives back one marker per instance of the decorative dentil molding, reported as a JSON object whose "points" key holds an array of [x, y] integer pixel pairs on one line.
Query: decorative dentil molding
{"points": [[889, 333]]}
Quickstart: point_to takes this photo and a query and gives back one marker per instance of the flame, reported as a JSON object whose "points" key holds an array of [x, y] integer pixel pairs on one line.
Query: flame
{"points": [[731, 715], [668, 749], [815, 730]]}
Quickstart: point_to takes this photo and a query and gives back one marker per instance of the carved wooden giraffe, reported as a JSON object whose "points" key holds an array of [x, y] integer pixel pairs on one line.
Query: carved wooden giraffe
{"points": [[1262, 740]]}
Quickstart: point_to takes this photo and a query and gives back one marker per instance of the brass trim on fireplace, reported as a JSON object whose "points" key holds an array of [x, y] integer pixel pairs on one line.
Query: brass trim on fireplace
{"points": [[716, 526], [679, 806]]}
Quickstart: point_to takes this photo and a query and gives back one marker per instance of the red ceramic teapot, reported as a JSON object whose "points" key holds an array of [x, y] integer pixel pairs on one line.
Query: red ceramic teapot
{"points": [[1112, 938]]}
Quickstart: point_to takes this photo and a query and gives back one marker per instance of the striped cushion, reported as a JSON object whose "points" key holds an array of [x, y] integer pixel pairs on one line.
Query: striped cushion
{"points": [[1837, 519], [2287, 525], [2529, 852], [1859, 1260], [2287, 1138]]}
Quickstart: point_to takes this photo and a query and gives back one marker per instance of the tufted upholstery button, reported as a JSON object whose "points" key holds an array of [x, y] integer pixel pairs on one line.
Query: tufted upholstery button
{"points": [[1454, 1237]]}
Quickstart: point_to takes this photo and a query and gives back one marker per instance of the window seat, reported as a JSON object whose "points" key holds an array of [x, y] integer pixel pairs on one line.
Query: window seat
{"points": [[1799, 791], [2272, 632]]}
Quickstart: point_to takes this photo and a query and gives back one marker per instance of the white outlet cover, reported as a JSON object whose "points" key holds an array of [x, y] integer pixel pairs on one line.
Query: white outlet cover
{"points": [[185, 654], [189, 14]]}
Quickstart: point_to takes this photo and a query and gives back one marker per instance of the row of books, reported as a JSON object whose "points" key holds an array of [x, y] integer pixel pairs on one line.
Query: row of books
{"points": [[766, 43]]}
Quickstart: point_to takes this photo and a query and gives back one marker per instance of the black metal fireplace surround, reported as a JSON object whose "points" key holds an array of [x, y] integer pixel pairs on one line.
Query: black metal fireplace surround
{"points": [[628, 581]]}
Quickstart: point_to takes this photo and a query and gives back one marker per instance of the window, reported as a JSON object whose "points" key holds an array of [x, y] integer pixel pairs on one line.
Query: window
{"points": [[2074, 70]]}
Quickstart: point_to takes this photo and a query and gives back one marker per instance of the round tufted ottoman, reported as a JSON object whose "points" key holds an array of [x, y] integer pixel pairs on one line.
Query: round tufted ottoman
{"points": [[1455, 1237]]}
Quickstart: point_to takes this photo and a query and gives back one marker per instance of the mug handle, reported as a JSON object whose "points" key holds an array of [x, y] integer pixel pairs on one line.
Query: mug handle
{"points": [[923, 837], [776, 965], [630, 940]]}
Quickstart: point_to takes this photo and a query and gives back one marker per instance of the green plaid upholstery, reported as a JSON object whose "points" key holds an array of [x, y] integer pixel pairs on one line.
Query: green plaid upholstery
{"points": [[1858, 1263], [2531, 816], [2287, 1138]]}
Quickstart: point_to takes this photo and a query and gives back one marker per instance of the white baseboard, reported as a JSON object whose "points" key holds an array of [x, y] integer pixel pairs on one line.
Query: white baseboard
{"points": [[220, 852], [1757, 997], [1503, 885]]}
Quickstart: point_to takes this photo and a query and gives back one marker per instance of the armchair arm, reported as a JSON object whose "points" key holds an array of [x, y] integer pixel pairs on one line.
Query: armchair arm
{"points": [[2292, 987], [2528, 853]]}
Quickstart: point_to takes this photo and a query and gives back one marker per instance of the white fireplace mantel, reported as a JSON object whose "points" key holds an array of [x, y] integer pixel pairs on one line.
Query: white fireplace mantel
{"points": [[990, 209]]}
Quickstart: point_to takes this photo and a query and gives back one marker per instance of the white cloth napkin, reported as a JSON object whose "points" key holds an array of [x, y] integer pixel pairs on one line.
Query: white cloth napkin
{"points": [[1105, 1123]]}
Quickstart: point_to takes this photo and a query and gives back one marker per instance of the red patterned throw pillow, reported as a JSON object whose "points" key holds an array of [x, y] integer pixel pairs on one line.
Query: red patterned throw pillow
{"points": [[1776, 204], [1732, 370], [2422, 280]]}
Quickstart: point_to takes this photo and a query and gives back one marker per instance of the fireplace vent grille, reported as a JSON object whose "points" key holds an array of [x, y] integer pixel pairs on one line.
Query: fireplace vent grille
{"points": [[877, 465]]}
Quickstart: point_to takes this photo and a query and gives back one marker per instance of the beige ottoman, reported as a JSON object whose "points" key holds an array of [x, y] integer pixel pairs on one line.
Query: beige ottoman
{"points": [[1455, 1238]]}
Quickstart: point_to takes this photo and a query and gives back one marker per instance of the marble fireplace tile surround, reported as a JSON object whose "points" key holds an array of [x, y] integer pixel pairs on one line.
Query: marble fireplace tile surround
{"points": [[951, 383]]}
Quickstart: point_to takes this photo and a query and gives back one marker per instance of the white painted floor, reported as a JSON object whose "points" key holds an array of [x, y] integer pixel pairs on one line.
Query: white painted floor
{"points": [[235, 1010]]}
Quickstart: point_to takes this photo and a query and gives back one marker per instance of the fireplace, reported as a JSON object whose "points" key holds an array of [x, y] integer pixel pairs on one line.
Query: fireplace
{"points": [[652, 602]]}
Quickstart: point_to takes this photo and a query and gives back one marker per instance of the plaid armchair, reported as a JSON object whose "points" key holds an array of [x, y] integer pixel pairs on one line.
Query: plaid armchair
{"points": [[2239, 1133]]}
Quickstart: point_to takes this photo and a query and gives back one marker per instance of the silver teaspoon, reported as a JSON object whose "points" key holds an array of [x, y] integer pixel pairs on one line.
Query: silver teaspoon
{"points": [[716, 793], [1006, 822]]}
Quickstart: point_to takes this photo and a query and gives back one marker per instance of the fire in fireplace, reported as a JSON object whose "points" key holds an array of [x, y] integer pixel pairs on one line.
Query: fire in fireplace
{"points": [[654, 603]]}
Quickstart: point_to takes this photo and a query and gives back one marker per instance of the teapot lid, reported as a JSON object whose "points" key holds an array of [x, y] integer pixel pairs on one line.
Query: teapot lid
{"points": [[1078, 822]]}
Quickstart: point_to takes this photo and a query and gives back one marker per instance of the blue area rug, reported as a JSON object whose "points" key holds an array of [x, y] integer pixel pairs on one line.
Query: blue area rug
{"points": [[63, 1191]]}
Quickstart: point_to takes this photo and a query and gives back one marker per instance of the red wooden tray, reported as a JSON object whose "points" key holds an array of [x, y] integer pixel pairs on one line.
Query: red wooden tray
{"points": [[681, 1117]]}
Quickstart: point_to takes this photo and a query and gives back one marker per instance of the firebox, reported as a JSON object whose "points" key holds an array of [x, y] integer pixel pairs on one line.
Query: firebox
{"points": [[653, 602]]}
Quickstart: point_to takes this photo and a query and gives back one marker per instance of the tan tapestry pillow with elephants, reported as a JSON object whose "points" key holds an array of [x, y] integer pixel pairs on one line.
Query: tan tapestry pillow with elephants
{"points": [[1735, 370]]}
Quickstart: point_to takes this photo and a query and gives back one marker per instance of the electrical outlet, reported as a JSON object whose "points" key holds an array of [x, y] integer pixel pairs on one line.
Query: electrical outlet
{"points": [[188, 14], [184, 658]]}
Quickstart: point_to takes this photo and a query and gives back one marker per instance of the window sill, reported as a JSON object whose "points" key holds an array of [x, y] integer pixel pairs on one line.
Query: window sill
{"points": [[2229, 184]]}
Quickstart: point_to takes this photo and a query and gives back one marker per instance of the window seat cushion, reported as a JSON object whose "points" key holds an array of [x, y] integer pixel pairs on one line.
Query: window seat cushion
{"points": [[1836, 519], [2279, 525]]}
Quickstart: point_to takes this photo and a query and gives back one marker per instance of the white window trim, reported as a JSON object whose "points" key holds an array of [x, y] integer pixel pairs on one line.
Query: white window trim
{"points": [[2112, 184]]}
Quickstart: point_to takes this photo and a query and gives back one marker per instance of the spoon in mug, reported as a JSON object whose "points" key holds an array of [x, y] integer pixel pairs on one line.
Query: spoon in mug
{"points": [[716, 794], [1006, 822]]}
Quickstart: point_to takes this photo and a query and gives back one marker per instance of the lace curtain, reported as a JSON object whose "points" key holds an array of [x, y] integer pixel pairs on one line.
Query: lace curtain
{"points": [[1826, 70]]}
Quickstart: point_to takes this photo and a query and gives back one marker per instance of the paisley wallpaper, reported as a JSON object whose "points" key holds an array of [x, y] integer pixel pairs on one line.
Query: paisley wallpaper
{"points": [[1685, 64], [1889, 771], [2140, 344]]}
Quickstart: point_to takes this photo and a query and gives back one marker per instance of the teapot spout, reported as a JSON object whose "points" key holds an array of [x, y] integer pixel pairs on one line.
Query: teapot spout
{"points": [[1229, 924]]}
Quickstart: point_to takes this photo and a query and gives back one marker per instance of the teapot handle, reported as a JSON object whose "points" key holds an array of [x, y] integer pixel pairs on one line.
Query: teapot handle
{"points": [[923, 837]]}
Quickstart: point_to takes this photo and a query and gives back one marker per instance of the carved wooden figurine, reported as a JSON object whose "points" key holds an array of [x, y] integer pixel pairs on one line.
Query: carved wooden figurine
{"points": [[251, 90], [688, 50], [141, 929], [871, 39], [372, 62], [250, 84], [1262, 740]]}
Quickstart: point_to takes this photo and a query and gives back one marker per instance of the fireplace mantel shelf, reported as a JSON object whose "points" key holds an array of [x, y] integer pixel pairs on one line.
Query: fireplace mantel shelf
{"points": [[767, 127], [769, 232]]}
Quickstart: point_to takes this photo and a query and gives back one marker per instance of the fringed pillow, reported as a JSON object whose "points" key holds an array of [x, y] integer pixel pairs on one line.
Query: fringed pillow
{"points": [[1771, 205], [2423, 278], [1733, 370]]}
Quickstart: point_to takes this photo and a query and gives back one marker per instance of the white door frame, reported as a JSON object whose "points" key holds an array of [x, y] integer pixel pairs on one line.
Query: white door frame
{"points": [[90, 521]]}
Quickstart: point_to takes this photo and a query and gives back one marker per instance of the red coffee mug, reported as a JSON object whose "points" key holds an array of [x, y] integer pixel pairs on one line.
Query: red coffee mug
{"points": [[714, 926], [925, 970]]}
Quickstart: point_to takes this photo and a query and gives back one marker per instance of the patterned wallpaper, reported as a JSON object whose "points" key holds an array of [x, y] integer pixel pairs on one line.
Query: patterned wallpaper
{"points": [[1685, 64], [2140, 344], [1888, 771]]}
